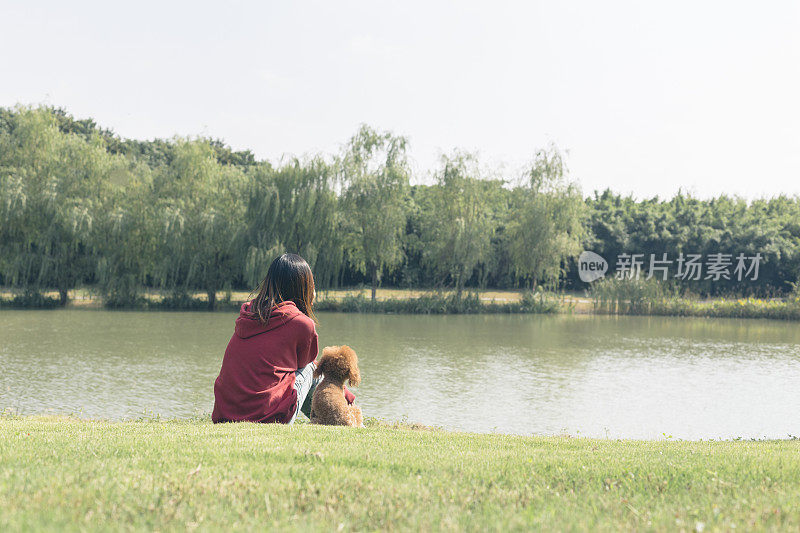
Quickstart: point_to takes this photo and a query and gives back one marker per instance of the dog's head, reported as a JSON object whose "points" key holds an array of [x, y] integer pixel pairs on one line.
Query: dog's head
{"points": [[339, 363]]}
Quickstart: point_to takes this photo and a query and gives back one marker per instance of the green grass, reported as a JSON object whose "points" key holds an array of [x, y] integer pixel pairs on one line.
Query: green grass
{"points": [[641, 297], [607, 297], [440, 304], [730, 308], [68, 474], [716, 308], [406, 301]]}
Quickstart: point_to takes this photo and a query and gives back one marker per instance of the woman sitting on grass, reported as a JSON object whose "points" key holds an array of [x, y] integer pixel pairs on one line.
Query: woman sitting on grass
{"points": [[267, 371]]}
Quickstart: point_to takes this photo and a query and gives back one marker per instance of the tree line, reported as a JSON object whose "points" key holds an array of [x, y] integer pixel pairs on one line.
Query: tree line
{"points": [[81, 206]]}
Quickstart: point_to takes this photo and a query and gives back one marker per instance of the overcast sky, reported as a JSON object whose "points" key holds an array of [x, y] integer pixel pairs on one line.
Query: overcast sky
{"points": [[647, 97]]}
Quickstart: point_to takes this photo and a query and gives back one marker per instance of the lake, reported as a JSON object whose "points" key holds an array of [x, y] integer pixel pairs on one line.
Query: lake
{"points": [[599, 376]]}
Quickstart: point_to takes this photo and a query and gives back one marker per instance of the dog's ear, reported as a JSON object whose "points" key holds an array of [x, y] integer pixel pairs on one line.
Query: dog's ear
{"points": [[324, 361], [318, 369], [353, 374]]}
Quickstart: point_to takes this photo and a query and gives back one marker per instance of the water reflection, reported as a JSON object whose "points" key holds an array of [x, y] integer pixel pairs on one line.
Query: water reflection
{"points": [[641, 377]]}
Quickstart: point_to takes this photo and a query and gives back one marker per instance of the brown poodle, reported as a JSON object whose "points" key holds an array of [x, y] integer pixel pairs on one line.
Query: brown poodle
{"points": [[328, 405]]}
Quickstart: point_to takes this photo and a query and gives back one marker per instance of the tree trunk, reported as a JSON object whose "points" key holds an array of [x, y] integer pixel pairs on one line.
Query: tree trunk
{"points": [[212, 299], [63, 297], [374, 282]]}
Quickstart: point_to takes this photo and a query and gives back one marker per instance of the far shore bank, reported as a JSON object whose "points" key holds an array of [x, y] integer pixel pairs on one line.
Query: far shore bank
{"points": [[425, 301]]}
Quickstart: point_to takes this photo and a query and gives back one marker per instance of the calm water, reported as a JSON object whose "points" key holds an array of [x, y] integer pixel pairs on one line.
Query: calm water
{"points": [[633, 377]]}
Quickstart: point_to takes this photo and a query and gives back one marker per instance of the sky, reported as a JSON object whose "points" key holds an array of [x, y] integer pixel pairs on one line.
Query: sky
{"points": [[646, 98]]}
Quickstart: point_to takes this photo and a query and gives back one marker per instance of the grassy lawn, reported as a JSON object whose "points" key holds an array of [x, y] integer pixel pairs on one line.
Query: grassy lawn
{"points": [[68, 474]]}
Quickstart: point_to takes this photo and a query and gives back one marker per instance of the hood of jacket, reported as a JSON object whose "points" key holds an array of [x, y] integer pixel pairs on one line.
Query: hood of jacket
{"points": [[248, 324]]}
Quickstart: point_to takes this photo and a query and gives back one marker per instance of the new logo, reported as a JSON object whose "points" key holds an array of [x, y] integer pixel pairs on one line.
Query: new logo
{"points": [[591, 266]]}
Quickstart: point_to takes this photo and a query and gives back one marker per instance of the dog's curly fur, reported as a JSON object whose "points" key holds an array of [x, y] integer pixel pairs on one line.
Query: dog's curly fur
{"points": [[328, 405]]}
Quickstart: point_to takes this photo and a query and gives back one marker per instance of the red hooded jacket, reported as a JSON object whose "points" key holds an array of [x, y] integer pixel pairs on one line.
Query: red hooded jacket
{"points": [[256, 381]]}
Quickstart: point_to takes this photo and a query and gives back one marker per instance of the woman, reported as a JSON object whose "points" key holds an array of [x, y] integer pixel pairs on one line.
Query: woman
{"points": [[267, 370]]}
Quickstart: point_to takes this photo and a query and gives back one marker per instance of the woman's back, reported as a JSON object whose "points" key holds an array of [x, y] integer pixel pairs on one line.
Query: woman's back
{"points": [[256, 381]]}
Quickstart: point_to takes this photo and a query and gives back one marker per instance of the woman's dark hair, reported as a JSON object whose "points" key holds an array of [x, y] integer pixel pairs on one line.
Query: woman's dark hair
{"points": [[289, 278]]}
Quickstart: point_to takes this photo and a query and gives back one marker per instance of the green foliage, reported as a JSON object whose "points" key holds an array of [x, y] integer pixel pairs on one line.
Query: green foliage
{"points": [[459, 226], [201, 207], [80, 206], [126, 237], [627, 296], [651, 297], [50, 185], [685, 224], [729, 308], [795, 294], [547, 226], [439, 304], [184, 301], [374, 173], [294, 208], [29, 299]]}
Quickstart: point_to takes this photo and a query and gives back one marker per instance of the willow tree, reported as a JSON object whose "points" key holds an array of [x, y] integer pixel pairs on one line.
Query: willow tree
{"points": [[261, 240], [460, 224], [547, 221], [374, 172], [50, 186], [126, 236], [200, 204], [293, 208]]}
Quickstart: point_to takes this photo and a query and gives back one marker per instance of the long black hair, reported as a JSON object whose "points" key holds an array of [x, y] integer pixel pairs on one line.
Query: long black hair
{"points": [[289, 278]]}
